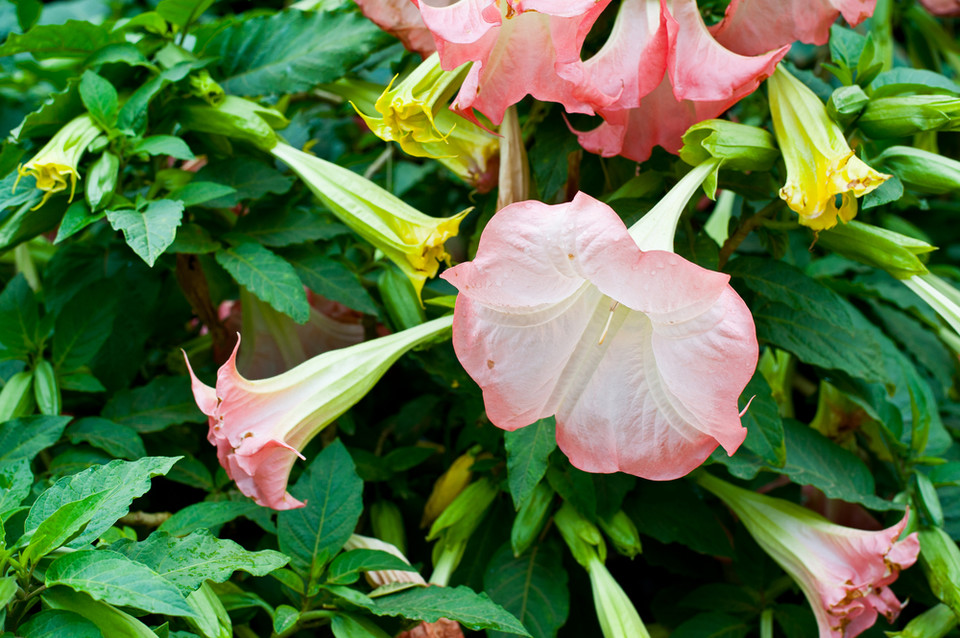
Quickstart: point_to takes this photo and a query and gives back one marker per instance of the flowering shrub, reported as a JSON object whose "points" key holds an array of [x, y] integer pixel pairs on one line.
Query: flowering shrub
{"points": [[412, 318]]}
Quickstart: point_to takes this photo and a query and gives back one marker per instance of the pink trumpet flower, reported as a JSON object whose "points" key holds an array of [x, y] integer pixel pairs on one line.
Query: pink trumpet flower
{"points": [[845, 573], [703, 79], [402, 19], [259, 427], [640, 354], [518, 47]]}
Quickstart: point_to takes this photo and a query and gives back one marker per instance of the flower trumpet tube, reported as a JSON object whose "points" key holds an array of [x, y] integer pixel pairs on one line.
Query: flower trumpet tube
{"points": [[58, 160], [820, 163], [259, 427], [640, 354], [414, 114], [845, 573], [410, 239]]}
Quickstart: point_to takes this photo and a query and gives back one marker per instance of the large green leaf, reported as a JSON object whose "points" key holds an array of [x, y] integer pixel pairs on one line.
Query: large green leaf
{"points": [[124, 480], [462, 604], [333, 494], [188, 561], [269, 277], [528, 451], [50, 117], [133, 113], [250, 179], [671, 512], [83, 326], [24, 438], [182, 12], [163, 402], [100, 98], [150, 230], [115, 579], [75, 39], [19, 319], [208, 514], [292, 51], [347, 566], [56, 623], [120, 441], [15, 483], [284, 227], [532, 587], [110, 620], [334, 281], [60, 526]]}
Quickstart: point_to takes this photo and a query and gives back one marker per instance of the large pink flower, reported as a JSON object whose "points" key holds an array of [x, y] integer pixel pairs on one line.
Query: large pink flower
{"points": [[259, 427], [518, 48], [845, 573], [641, 355], [703, 79]]}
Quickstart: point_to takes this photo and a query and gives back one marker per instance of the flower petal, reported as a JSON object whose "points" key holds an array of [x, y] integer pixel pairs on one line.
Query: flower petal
{"points": [[263, 475], [752, 27], [402, 19]]}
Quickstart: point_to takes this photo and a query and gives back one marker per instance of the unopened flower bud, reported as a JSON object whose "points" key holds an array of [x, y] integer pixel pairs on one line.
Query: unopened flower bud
{"points": [[448, 487], [530, 518], [621, 530], [846, 103], [387, 522], [878, 247], [455, 525], [906, 115], [936, 622], [737, 146], [922, 170], [236, 118], [940, 559]]}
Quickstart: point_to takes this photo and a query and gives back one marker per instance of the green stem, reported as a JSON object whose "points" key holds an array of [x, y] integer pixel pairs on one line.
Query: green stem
{"points": [[744, 230], [766, 623]]}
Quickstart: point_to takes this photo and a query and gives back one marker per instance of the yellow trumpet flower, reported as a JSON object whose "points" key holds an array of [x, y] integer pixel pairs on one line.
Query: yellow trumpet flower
{"points": [[59, 158]]}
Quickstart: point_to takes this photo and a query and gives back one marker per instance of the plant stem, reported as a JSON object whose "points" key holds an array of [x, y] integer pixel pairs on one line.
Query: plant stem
{"points": [[744, 230]]}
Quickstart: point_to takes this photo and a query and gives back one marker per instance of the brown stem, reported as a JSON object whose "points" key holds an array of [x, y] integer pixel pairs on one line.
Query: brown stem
{"points": [[145, 519], [747, 227], [573, 175], [194, 285]]}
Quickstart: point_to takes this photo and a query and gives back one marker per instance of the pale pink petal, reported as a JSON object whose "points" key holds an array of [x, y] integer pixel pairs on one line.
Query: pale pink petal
{"points": [[204, 395], [632, 61], [263, 475], [533, 48], [402, 19], [942, 7], [703, 70], [753, 27], [561, 313]]}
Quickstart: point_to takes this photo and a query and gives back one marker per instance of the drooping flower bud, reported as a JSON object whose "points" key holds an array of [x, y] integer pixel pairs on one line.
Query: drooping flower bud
{"points": [[455, 525], [820, 164], [59, 159], [921, 170]]}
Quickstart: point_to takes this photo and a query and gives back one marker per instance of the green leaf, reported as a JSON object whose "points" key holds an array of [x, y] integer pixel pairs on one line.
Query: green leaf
{"points": [[347, 566], [292, 51], [115, 579], [77, 217], [15, 483], [528, 451], [124, 52], [187, 562], [100, 98], [124, 480], [249, 178], [55, 623], [347, 626], [763, 422], [574, 486], [712, 625], [81, 382], [207, 514], [57, 110], [268, 277], [24, 222], [164, 145], [19, 319], [26, 437], [283, 227], [190, 471], [193, 239], [110, 620], [28, 12], [149, 231], [462, 604], [133, 113], [196, 193], [117, 440], [61, 526], [73, 39], [671, 512], [163, 402], [800, 315], [335, 281], [83, 326], [182, 12], [284, 618], [333, 494], [533, 588], [907, 80]]}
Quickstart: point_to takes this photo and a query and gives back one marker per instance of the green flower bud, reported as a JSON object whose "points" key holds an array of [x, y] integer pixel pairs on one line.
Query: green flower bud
{"points": [[204, 87], [737, 146], [234, 117], [922, 170], [211, 617], [45, 388], [582, 537], [910, 114], [878, 247], [936, 622], [16, 398], [530, 518], [101, 180], [387, 522], [940, 559], [621, 530], [455, 525], [846, 103]]}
